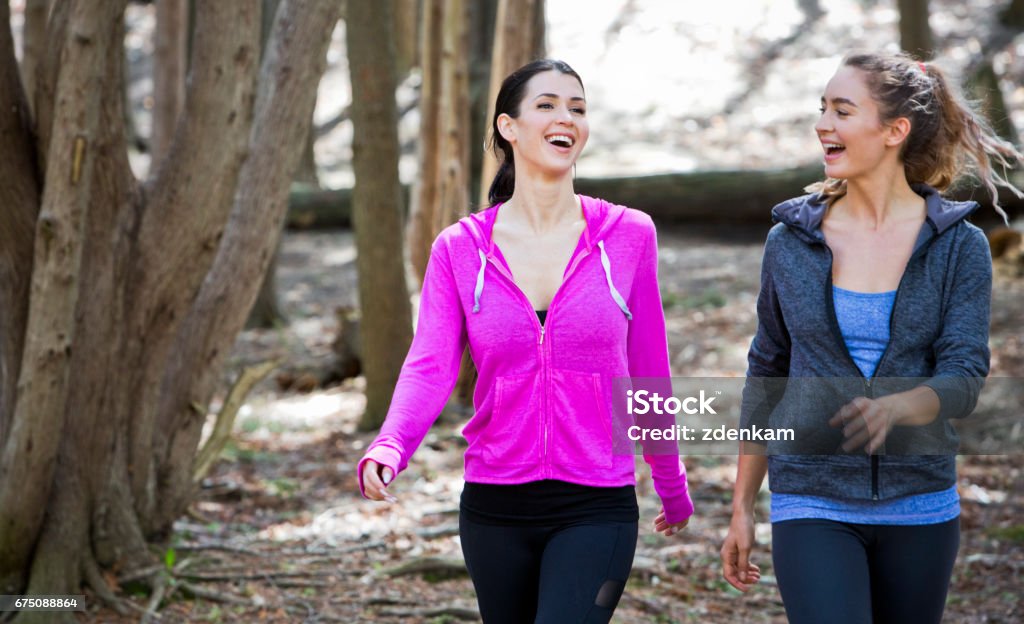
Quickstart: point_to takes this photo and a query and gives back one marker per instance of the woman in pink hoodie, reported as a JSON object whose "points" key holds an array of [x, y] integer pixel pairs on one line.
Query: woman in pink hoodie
{"points": [[556, 295]]}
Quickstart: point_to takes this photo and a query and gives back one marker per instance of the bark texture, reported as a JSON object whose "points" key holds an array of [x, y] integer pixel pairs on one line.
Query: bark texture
{"points": [[169, 65], [137, 291], [515, 44], [383, 296]]}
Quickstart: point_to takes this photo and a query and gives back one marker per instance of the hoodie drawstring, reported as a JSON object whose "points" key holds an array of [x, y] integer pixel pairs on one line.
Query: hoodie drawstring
{"points": [[606, 263], [479, 282]]}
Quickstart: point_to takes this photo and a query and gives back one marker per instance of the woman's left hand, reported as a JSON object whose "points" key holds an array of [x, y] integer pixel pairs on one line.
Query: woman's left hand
{"points": [[865, 422], [661, 525]]}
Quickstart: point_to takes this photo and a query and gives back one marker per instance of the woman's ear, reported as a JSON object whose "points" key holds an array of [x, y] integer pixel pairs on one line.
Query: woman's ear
{"points": [[506, 126], [897, 131]]}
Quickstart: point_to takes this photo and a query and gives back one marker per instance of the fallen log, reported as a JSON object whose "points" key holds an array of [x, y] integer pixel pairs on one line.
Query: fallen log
{"points": [[735, 196]]}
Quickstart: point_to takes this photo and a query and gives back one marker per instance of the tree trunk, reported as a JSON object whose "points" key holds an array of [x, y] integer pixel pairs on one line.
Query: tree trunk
{"points": [[19, 196], [481, 43], [33, 37], [515, 43], [443, 195], [426, 188], [454, 185], [169, 65], [915, 32], [383, 296], [266, 312], [113, 386], [30, 452], [1013, 14], [407, 42]]}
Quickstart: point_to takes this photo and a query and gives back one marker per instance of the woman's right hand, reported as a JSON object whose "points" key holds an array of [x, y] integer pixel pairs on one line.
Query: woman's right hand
{"points": [[739, 542], [376, 479]]}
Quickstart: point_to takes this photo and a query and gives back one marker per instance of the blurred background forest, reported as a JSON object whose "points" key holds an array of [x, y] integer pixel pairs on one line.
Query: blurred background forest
{"points": [[212, 238]]}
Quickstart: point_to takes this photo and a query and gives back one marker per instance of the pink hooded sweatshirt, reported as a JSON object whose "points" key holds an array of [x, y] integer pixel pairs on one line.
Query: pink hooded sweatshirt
{"points": [[543, 399]]}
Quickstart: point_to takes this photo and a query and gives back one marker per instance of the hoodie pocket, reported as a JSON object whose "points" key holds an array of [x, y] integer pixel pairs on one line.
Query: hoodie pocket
{"points": [[581, 431], [513, 434]]}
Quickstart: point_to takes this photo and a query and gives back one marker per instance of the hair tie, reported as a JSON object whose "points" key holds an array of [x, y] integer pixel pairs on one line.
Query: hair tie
{"points": [[924, 70]]}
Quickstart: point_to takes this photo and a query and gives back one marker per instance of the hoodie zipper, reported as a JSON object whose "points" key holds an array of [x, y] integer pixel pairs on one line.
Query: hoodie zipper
{"points": [[837, 332], [545, 351]]}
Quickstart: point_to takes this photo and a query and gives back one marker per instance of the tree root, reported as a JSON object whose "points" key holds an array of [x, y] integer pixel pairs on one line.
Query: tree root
{"points": [[196, 591], [159, 585], [94, 578]]}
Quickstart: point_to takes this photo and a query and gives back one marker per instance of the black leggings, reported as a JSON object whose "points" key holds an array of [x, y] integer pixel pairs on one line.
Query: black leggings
{"points": [[548, 574], [861, 574]]}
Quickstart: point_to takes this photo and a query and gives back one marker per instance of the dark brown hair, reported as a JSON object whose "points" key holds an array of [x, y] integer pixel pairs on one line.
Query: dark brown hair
{"points": [[510, 96]]}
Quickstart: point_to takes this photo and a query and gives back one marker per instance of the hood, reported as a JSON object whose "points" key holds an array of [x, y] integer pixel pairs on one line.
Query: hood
{"points": [[600, 217], [804, 214]]}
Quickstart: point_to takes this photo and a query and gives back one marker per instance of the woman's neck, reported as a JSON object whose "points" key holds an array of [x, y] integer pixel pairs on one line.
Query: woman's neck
{"points": [[543, 205], [875, 199]]}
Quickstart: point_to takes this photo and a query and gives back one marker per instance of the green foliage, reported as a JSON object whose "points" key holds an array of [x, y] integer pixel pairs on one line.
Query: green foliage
{"points": [[1013, 533], [708, 298]]}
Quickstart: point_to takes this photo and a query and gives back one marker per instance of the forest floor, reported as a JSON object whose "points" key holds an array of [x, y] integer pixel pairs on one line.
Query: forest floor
{"points": [[280, 534]]}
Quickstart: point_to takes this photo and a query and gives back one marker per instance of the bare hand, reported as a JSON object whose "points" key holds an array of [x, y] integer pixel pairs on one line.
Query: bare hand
{"points": [[661, 525], [865, 422], [739, 542], [376, 479]]}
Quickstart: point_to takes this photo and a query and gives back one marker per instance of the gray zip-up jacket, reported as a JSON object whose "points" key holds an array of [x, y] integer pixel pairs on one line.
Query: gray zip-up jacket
{"points": [[938, 337]]}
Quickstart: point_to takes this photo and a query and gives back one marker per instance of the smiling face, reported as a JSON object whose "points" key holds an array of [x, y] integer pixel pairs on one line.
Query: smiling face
{"points": [[551, 130], [852, 134]]}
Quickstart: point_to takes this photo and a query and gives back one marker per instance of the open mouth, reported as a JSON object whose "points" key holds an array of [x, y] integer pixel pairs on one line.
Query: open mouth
{"points": [[833, 149], [561, 140]]}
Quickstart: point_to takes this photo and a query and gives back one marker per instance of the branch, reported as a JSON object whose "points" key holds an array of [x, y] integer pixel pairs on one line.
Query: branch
{"points": [[428, 565], [248, 378]]}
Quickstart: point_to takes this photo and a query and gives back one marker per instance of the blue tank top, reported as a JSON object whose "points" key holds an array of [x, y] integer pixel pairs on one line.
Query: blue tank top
{"points": [[864, 323]]}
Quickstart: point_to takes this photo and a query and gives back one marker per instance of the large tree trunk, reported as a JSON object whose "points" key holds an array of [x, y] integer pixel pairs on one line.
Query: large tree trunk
{"points": [[113, 387], [30, 452], [515, 44], [915, 32], [293, 64], [169, 66], [383, 296]]}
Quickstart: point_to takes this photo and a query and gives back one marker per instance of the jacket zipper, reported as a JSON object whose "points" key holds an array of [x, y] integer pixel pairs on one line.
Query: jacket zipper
{"points": [[544, 351], [867, 381]]}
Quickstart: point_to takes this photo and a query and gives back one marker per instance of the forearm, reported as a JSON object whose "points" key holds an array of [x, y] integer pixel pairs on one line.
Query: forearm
{"points": [[914, 408], [750, 472]]}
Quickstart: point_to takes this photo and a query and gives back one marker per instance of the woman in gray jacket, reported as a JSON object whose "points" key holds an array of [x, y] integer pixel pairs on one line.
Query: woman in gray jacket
{"points": [[872, 334]]}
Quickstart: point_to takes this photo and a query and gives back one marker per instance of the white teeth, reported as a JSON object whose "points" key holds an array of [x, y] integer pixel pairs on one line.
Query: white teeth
{"points": [[561, 138], [832, 146]]}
